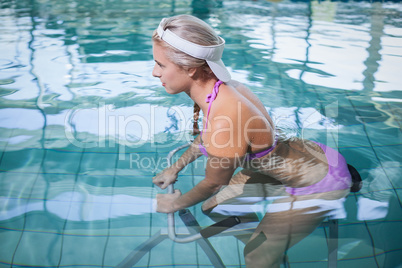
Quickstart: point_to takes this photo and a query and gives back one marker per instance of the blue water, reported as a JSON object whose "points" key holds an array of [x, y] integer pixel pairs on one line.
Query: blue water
{"points": [[84, 126]]}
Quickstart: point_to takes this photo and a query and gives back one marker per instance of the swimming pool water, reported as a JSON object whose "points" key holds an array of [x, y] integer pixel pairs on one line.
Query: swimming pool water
{"points": [[84, 126]]}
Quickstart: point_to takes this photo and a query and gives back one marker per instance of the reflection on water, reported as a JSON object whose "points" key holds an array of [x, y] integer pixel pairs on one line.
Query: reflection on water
{"points": [[79, 105], [83, 206]]}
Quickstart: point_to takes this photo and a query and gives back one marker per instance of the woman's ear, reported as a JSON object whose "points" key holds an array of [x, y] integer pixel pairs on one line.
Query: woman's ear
{"points": [[192, 72]]}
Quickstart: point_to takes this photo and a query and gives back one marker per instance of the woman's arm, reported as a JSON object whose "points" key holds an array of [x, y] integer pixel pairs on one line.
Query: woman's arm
{"points": [[219, 171], [169, 174], [191, 154], [221, 164]]}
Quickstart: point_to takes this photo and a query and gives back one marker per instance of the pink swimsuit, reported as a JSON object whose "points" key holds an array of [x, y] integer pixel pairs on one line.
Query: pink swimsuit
{"points": [[337, 178]]}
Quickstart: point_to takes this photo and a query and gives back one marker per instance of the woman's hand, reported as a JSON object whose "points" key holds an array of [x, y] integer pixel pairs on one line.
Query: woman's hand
{"points": [[165, 178], [165, 202]]}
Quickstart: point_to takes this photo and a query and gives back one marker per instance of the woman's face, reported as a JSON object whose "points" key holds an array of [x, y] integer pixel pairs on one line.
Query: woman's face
{"points": [[173, 78]]}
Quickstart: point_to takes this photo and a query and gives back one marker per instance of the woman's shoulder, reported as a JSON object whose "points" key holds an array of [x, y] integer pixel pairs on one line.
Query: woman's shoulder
{"points": [[228, 102], [251, 98], [236, 102], [244, 91], [237, 85]]}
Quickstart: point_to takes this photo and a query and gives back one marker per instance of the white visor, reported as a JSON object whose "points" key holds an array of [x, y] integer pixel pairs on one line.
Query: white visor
{"points": [[211, 54]]}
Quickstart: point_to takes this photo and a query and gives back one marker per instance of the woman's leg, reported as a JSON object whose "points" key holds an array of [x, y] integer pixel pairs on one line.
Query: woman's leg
{"points": [[286, 223], [276, 233], [237, 199], [245, 189]]}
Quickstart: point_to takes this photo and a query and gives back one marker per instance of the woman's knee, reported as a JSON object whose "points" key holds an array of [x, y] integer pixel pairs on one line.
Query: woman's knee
{"points": [[256, 254]]}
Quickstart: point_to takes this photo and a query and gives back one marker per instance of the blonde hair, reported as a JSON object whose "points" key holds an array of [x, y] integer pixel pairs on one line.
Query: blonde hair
{"points": [[191, 29], [196, 31]]}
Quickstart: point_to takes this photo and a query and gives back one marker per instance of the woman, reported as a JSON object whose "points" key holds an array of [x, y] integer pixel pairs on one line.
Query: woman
{"points": [[303, 181]]}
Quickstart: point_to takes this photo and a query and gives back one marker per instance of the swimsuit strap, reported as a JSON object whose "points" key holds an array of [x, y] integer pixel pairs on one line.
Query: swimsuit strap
{"points": [[251, 156], [211, 97]]}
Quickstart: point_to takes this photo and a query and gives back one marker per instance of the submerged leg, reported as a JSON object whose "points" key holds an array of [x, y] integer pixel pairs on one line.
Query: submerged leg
{"points": [[278, 232], [245, 189]]}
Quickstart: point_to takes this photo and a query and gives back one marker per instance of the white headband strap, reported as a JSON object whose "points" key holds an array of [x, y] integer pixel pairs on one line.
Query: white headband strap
{"points": [[209, 53]]}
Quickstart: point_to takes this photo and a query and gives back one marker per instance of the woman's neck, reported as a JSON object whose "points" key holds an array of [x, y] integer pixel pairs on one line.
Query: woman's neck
{"points": [[199, 91]]}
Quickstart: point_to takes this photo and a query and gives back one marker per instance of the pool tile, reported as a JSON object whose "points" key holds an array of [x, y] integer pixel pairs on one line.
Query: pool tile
{"points": [[392, 258], [5, 135], [58, 184], [168, 253], [390, 156], [361, 158], [344, 104], [354, 242], [394, 174], [139, 164], [229, 249], [375, 183], [318, 264], [21, 186], [90, 249], [126, 245], [96, 180], [396, 111], [375, 180], [322, 136], [381, 134], [10, 238], [344, 112], [136, 180], [370, 114], [102, 164], [30, 252], [25, 161], [399, 194], [316, 242], [358, 262], [61, 162], [353, 136], [381, 231], [194, 255]]}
